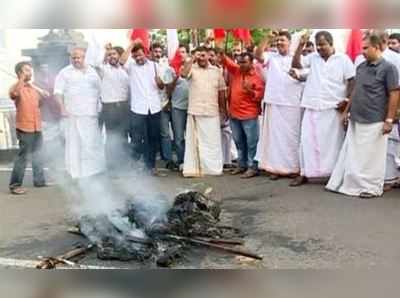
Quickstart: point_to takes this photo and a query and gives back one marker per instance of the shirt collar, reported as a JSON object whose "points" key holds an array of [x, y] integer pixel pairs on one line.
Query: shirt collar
{"points": [[375, 63]]}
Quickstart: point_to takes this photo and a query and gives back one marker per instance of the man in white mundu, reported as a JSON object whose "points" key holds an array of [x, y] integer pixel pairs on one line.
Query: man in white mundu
{"points": [[77, 88], [280, 140], [360, 170], [392, 175], [329, 84], [203, 152]]}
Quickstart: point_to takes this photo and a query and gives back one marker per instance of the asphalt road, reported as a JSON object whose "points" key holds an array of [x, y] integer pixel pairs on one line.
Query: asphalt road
{"points": [[296, 228]]}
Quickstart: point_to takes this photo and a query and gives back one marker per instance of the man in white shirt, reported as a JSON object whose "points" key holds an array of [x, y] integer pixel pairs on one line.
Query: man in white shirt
{"points": [[115, 108], [166, 74], [77, 89], [329, 85], [394, 42], [280, 141], [145, 84]]}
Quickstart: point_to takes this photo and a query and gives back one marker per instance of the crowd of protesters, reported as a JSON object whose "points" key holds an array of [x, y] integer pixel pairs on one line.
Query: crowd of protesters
{"points": [[311, 114]]}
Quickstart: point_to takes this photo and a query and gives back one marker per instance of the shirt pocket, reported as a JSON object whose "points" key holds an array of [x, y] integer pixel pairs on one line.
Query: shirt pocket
{"points": [[373, 80]]}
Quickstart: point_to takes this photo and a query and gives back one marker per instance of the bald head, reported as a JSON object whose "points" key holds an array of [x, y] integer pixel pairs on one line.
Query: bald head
{"points": [[78, 58]]}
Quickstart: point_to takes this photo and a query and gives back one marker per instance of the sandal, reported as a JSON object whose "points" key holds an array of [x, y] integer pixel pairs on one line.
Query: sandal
{"points": [[18, 191], [237, 171], [300, 180], [367, 195]]}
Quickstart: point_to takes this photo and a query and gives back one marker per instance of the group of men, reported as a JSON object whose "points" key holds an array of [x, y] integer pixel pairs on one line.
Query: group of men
{"points": [[311, 114]]}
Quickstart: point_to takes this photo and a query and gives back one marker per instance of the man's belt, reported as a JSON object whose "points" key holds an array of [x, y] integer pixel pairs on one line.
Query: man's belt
{"points": [[117, 103]]}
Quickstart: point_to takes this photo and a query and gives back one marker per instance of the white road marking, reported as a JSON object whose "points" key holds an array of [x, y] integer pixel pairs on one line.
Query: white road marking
{"points": [[29, 264], [5, 169]]}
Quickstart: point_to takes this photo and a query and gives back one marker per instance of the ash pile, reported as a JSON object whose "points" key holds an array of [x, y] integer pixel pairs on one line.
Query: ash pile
{"points": [[152, 230]]}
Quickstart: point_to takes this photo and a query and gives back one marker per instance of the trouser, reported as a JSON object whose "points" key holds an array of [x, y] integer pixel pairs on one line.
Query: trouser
{"points": [[166, 143], [29, 144], [245, 134], [115, 117], [145, 134], [179, 119]]}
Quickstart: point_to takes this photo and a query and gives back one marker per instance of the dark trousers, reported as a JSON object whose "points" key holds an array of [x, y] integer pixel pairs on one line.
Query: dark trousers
{"points": [[29, 144], [115, 117], [179, 118], [166, 142], [246, 134], [145, 136]]}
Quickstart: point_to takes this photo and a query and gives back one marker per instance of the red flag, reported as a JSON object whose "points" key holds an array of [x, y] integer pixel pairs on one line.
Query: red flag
{"points": [[242, 34], [219, 34], [177, 62], [143, 34], [354, 44]]}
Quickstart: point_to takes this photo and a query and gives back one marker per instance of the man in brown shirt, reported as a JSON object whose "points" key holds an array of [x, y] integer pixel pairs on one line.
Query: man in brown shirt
{"points": [[27, 100]]}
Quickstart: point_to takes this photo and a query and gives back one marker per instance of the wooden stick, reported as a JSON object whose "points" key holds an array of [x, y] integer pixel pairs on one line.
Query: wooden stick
{"points": [[227, 40], [51, 263], [216, 246], [221, 241], [139, 240]]}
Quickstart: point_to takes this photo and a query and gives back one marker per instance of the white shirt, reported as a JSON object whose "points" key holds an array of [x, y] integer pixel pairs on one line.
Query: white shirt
{"points": [[114, 84], [166, 74], [281, 88], [81, 90], [326, 84], [388, 55], [145, 95]]}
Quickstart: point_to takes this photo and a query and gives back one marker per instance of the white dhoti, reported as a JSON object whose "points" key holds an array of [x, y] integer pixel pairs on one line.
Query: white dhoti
{"points": [[362, 161], [322, 136], [281, 140], [261, 143], [84, 147], [226, 135], [203, 152], [393, 156]]}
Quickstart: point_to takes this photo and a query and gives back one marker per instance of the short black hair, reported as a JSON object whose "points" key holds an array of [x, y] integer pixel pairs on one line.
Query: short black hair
{"points": [[119, 50], [374, 40], [247, 54], [137, 47], [212, 50], [156, 45], [286, 34], [184, 46], [20, 65], [201, 49], [309, 44], [395, 36], [325, 34]]}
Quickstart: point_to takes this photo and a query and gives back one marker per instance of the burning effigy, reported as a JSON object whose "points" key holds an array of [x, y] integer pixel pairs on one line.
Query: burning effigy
{"points": [[140, 232]]}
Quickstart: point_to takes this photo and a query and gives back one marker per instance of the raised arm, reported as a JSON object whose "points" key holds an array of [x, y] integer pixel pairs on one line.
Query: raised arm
{"points": [[125, 56], [265, 42], [296, 63], [230, 65], [187, 67]]}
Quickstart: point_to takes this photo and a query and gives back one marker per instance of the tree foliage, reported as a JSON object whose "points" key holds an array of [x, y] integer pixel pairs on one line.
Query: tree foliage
{"points": [[187, 36]]}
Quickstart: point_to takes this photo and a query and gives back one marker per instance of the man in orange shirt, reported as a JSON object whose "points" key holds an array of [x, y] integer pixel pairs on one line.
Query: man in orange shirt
{"points": [[27, 101], [247, 91]]}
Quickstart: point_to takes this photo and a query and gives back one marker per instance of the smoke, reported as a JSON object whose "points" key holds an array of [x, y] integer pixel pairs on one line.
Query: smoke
{"points": [[108, 193]]}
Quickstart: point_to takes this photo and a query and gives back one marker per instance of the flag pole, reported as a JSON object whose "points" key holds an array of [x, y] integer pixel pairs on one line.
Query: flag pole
{"points": [[226, 41]]}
